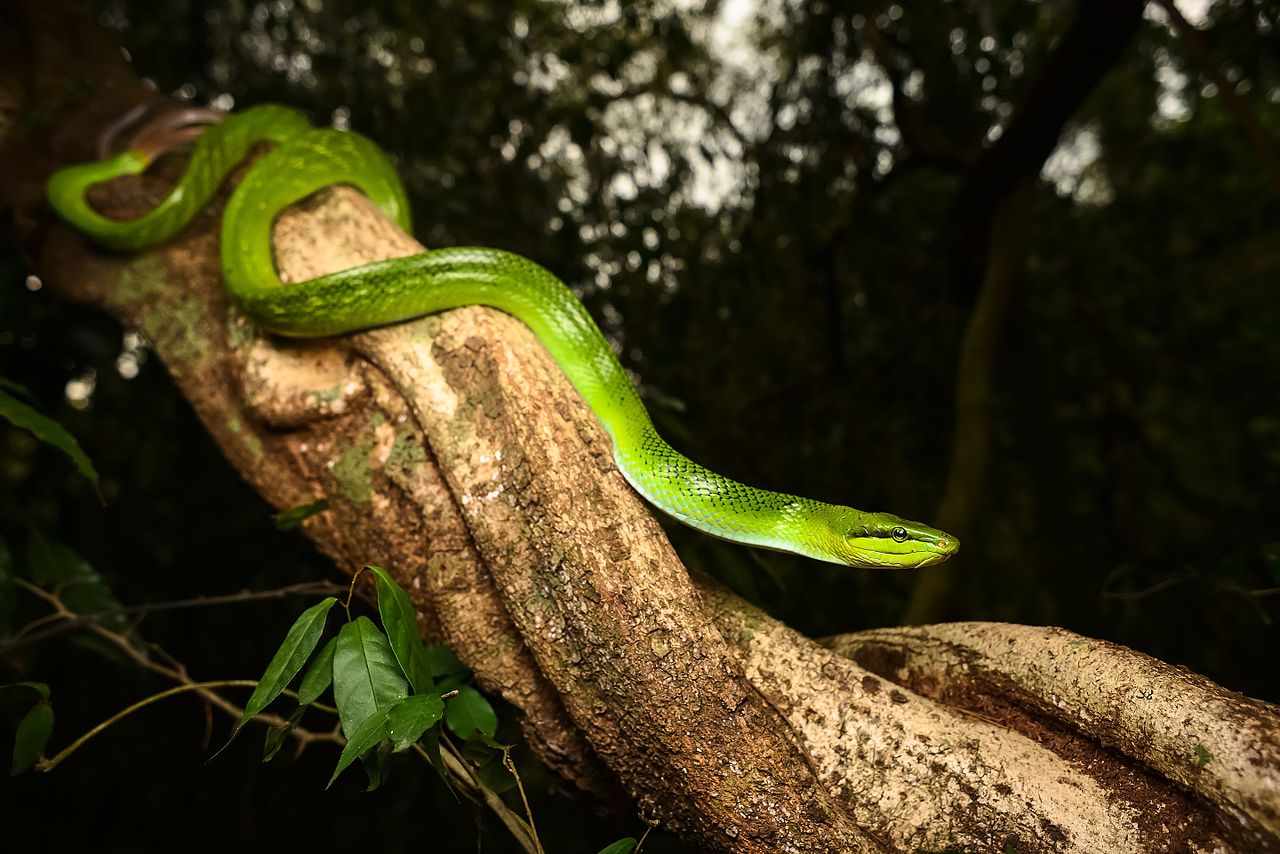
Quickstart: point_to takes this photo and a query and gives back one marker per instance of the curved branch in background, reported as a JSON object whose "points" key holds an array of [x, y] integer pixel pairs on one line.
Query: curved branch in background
{"points": [[988, 233], [1091, 46], [1236, 103], [925, 144], [931, 595]]}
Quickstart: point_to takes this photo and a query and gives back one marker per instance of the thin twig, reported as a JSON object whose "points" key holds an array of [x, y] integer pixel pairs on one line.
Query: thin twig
{"points": [[1135, 595], [525, 833], [174, 671], [30, 627], [647, 831], [50, 764], [520, 830], [25, 636], [41, 593], [453, 764], [351, 592], [511, 767]]}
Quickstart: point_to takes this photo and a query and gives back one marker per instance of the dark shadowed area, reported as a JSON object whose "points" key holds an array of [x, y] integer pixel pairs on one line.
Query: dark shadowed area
{"points": [[1007, 267]]}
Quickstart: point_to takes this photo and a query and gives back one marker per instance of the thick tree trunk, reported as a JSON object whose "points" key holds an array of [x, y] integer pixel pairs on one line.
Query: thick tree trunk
{"points": [[453, 450]]}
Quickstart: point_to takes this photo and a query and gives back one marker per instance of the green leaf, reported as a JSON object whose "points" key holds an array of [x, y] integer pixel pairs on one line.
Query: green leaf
{"points": [[443, 661], [33, 734], [489, 741], [480, 749], [82, 589], [298, 645], [319, 675], [446, 668], [40, 687], [287, 520], [495, 776], [411, 717], [8, 592], [372, 729], [402, 722], [486, 755], [366, 677], [1271, 558], [377, 764], [44, 428], [470, 712], [275, 740], [431, 742], [622, 846], [18, 389], [277, 734], [400, 619], [51, 563]]}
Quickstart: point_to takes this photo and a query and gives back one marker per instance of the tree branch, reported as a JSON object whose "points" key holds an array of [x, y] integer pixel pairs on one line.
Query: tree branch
{"points": [[920, 767], [452, 447], [966, 475], [454, 451], [1236, 103], [1215, 743], [1091, 46], [988, 236]]}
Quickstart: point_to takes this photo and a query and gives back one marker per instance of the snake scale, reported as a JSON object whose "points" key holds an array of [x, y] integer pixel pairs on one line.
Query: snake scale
{"points": [[303, 160]]}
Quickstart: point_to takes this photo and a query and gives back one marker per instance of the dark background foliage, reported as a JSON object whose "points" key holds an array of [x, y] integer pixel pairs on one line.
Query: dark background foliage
{"points": [[764, 208]]}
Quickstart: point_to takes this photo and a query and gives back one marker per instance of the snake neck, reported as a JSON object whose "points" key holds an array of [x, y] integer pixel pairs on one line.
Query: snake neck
{"points": [[711, 502]]}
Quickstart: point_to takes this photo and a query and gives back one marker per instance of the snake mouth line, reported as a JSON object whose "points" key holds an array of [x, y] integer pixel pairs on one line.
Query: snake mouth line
{"points": [[941, 544], [922, 554]]}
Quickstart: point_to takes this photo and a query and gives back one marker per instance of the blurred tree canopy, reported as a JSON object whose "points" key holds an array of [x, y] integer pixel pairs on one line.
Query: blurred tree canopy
{"points": [[765, 205]]}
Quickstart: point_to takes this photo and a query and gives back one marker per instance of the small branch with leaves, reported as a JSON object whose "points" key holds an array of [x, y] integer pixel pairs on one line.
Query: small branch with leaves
{"points": [[392, 693]]}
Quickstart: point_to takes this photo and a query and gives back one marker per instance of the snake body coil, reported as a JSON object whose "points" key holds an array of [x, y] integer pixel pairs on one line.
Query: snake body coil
{"points": [[305, 160]]}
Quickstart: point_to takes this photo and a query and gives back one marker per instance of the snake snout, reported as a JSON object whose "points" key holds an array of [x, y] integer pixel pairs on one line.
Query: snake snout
{"points": [[948, 544]]}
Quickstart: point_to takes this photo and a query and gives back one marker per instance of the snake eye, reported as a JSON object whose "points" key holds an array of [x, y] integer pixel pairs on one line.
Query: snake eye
{"points": [[899, 534]]}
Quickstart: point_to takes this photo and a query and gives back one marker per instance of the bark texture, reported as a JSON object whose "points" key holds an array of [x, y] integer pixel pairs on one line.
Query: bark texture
{"points": [[453, 450], [1219, 744]]}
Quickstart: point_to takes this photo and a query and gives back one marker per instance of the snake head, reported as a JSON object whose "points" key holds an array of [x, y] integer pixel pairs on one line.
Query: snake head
{"points": [[885, 541]]}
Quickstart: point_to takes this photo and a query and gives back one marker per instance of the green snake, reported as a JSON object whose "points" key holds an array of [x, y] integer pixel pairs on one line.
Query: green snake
{"points": [[304, 160]]}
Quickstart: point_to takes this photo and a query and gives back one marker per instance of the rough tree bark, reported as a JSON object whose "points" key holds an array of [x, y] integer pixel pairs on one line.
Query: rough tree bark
{"points": [[454, 451]]}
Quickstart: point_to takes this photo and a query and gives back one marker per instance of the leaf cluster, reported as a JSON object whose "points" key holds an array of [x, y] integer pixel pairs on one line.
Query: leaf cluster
{"points": [[391, 690]]}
